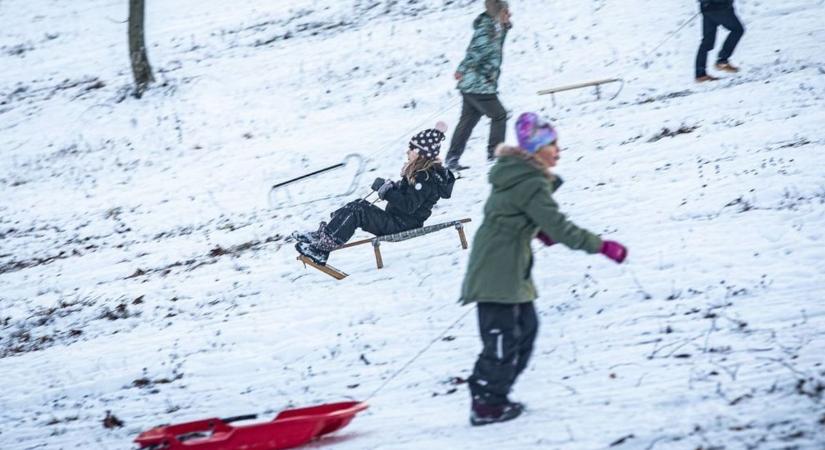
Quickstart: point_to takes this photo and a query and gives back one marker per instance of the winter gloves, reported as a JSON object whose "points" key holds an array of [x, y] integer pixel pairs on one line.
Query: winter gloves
{"points": [[382, 186], [613, 250], [545, 239], [376, 185]]}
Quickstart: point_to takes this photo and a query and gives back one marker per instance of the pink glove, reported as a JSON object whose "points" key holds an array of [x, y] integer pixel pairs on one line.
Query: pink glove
{"points": [[613, 250], [545, 239]]}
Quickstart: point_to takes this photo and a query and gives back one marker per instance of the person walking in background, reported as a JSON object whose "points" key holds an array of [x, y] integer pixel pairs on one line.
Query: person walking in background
{"points": [[715, 13], [498, 279], [477, 77], [410, 200]]}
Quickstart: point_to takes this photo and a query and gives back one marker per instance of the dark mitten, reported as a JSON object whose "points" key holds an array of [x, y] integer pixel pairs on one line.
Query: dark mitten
{"points": [[382, 191], [376, 185], [545, 239]]}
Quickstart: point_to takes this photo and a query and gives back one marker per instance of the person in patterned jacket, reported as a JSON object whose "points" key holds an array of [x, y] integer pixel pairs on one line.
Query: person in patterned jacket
{"points": [[409, 201], [477, 77]]}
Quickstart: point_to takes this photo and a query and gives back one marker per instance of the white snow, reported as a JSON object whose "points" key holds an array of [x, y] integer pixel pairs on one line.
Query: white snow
{"points": [[138, 243]]}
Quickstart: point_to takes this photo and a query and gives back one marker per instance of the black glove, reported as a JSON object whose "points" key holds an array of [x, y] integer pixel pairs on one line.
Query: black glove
{"points": [[376, 185], [382, 191]]}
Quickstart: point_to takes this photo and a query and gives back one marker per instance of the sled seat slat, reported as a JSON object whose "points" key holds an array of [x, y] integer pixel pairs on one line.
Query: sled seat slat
{"points": [[410, 234]]}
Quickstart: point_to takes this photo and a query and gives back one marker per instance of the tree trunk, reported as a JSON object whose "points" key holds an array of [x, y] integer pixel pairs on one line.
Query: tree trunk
{"points": [[141, 69]]}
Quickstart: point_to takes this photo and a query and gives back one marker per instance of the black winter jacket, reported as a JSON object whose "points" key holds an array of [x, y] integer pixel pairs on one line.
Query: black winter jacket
{"points": [[413, 203], [715, 5]]}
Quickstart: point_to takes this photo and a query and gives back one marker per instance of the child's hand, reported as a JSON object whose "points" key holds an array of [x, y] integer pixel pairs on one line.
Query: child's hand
{"points": [[545, 239], [376, 185], [382, 191], [613, 250]]}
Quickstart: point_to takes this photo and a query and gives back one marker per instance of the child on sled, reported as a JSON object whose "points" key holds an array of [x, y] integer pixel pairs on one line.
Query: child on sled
{"points": [[424, 181]]}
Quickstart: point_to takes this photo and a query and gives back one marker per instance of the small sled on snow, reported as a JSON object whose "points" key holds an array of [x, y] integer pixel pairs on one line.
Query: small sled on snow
{"points": [[396, 237], [291, 428], [597, 84], [280, 197]]}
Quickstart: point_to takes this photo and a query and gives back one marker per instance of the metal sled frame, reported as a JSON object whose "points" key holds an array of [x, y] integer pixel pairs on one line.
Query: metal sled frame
{"points": [[410, 234], [597, 84], [352, 187]]}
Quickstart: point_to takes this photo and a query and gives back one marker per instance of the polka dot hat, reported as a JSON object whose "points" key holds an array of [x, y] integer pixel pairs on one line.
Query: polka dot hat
{"points": [[428, 142]]}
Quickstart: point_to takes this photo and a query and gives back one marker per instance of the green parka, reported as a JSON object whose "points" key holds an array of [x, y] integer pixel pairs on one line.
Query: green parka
{"points": [[520, 205], [481, 66]]}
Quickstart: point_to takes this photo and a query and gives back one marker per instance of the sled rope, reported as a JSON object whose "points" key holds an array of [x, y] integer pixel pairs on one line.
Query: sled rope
{"points": [[418, 355], [667, 38]]}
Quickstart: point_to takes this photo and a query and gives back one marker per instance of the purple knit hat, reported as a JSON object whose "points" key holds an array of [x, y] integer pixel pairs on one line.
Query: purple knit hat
{"points": [[534, 132]]}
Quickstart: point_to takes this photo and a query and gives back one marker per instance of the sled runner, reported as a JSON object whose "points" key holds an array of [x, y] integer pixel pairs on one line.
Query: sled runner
{"points": [[327, 269], [291, 428], [597, 84]]}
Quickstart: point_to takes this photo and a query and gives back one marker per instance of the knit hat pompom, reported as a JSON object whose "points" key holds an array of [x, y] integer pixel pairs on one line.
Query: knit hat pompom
{"points": [[428, 142]]}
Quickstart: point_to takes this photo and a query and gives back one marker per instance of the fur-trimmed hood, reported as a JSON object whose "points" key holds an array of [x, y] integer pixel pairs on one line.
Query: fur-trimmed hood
{"points": [[514, 165]]}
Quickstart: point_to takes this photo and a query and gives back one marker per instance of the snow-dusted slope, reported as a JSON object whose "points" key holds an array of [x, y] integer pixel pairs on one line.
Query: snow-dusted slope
{"points": [[143, 271]]}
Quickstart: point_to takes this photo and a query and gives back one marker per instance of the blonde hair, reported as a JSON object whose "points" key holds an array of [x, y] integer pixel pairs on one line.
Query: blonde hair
{"points": [[411, 169]]}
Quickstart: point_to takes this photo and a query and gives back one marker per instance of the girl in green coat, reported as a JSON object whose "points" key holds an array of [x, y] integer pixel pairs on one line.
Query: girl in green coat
{"points": [[520, 208]]}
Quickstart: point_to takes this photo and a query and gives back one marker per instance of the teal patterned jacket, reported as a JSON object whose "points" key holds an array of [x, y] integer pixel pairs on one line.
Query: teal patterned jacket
{"points": [[481, 66]]}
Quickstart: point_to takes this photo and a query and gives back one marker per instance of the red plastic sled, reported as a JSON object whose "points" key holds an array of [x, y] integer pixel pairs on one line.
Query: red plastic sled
{"points": [[291, 428]]}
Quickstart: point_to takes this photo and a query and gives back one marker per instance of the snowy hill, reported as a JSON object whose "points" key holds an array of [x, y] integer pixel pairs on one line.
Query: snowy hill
{"points": [[144, 270]]}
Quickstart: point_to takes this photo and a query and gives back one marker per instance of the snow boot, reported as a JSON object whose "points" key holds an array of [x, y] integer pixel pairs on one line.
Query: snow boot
{"points": [[705, 78], [485, 414], [309, 237], [317, 255], [725, 66]]}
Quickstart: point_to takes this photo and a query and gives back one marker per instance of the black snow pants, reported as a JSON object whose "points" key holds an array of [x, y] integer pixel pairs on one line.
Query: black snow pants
{"points": [[473, 107], [710, 22], [508, 332], [370, 218]]}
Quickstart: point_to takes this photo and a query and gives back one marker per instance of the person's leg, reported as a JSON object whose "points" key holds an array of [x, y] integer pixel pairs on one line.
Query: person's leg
{"points": [[728, 19], [528, 328], [708, 41], [494, 370], [469, 118], [344, 222], [379, 222], [491, 107], [364, 215]]}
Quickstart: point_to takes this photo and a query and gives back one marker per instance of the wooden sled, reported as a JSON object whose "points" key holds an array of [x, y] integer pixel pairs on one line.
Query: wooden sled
{"points": [[597, 84], [409, 234], [397, 237]]}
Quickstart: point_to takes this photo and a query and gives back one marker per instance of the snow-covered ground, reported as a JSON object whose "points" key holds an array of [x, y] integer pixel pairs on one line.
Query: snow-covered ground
{"points": [[145, 271]]}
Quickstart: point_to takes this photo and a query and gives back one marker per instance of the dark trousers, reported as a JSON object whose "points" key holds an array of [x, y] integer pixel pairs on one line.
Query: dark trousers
{"points": [[710, 22], [507, 334], [364, 215], [473, 107]]}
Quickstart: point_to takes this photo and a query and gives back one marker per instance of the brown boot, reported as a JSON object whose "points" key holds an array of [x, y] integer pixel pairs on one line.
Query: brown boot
{"points": [[705, 78], [726, 67]]}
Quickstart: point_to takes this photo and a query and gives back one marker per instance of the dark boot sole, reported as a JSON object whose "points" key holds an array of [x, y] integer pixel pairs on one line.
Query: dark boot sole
{"points": [[311, 258]]}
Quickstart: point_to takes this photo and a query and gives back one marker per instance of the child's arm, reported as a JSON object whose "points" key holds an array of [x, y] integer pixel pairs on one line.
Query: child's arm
{"points": [[409, 198]]}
